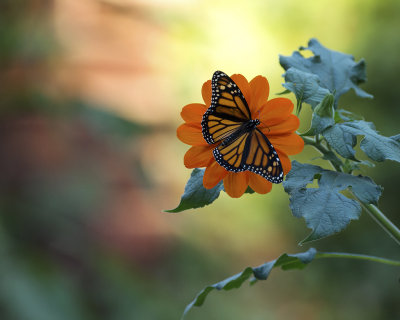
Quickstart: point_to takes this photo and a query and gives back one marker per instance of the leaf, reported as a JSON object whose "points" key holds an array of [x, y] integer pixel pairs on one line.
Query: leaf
{"points": [[322, 117], [350, 165], [283, 92], [305, 86], [325, 210], [343, 137], [345, 115], [195, 195], [337, 72], [285, 261]]}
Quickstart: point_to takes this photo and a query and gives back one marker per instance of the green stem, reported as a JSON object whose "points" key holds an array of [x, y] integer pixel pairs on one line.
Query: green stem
{"points": [[321, 255], [381, 219], [322, 149]]}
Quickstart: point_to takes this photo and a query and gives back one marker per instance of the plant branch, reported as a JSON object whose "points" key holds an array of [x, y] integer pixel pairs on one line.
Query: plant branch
{"points": [[322, 149], [321, 255], [382, 220]]}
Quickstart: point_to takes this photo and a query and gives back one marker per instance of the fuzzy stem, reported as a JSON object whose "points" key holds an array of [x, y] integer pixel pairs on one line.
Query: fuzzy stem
{"points": [[382, 220], [321, 255], [322, 149]]}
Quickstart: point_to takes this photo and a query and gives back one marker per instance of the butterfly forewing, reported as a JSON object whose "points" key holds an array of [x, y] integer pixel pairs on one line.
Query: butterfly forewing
{"points": [[228, 109], [242, 146]]}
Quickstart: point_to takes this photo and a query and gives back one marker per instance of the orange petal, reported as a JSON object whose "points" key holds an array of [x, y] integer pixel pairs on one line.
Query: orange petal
{"points": [[243, 85], [213, 175], [191, 134], [275, 111], [206, 92], [198, 156], [259, 87], [235, 183], [286, 164], [193, 112], [289, 144], [259, 184], [289, 125]]}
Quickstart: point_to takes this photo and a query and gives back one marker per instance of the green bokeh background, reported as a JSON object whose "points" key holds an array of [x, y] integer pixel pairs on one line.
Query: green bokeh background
{"points": [[90, 95]]}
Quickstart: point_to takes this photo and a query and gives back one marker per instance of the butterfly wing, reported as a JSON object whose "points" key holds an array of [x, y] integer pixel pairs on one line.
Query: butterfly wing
{"points": [[261, 158], [251, 151], [228, 109]]}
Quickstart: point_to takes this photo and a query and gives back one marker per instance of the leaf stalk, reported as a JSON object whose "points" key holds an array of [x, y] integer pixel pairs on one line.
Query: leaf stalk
{"points": [[322, 255]]}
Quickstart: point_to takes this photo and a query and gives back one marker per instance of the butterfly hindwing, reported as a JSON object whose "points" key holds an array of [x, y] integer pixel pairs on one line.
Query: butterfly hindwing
{"points": [[228, 109], [261, 158], [251, 151], [231, 156]]}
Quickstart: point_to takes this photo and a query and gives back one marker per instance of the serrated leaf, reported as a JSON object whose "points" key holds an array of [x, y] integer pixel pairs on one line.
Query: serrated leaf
{"points": [[337, 72], [305, 86], [285, 261], [343, 137], [350, 165], [345, 115], [195, 195], [325, 210], [322, 117]]}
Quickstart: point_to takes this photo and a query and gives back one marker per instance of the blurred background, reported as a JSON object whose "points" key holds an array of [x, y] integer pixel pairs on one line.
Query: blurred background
{"points": [[90, 96]]}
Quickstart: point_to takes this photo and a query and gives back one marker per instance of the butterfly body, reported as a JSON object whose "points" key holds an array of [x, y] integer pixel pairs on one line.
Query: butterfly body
{"points": [[246, 127], [228, 123]]}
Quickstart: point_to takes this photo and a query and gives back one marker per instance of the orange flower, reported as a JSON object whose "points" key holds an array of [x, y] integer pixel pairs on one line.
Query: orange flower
{"points": [[276, 121]]}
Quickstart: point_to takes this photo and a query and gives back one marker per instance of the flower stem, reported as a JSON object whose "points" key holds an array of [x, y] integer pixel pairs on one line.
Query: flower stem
{"points": [[321, 255]]}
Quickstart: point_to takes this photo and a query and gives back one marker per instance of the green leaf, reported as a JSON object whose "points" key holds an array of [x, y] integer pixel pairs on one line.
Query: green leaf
{"points": [[195, 195], [345, 115], [343, 137], [249, 190], [350, 165], [323, 116], [337, 72], [305, 86], [283, 92], [325, 210], [285, 261]]}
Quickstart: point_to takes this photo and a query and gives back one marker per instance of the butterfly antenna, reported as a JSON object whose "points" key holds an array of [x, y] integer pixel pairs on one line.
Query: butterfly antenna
{"points": [[269, 130]]}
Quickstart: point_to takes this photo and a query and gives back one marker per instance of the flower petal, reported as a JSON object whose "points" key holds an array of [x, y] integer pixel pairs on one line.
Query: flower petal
{"points": [[259, 87], [191, 134], [198, 156], [213, 175], [275, 111], [235, 183], [259, 184], [285, 161], [243, 85], [206, 92], [289, 125], [289, 144], [193, 112]]}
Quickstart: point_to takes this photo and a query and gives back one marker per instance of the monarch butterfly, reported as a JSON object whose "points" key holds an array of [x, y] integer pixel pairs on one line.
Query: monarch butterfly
{"points": [[241, 145]]}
